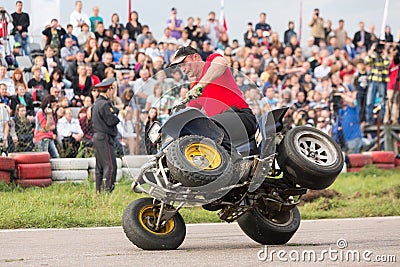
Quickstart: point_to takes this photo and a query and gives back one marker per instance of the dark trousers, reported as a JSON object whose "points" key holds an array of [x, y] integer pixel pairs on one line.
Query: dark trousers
{"points": [[106, 162], [238, 125]]}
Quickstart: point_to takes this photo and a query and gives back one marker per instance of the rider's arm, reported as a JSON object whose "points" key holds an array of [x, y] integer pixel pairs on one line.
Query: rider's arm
{"points": [[216, 69]]}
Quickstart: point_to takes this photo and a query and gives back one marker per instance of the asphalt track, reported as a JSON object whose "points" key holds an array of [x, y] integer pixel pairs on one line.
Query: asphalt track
{"points": [[335, 242]]}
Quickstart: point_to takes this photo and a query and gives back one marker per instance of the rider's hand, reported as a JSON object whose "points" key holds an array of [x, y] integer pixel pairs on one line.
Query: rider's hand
{"points": [[195, 92]]}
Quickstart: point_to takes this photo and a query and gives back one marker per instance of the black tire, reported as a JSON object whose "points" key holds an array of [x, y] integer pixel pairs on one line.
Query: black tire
{"points": [[181, 161], [277, 231], [134, 223], [310, 158]]}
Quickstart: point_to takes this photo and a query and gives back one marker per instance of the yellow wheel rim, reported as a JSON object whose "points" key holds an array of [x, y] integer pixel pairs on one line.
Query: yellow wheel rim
{"points": [[146, 213], [203, 156]]}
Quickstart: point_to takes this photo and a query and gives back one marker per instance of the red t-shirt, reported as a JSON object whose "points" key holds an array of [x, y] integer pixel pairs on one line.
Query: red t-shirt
{"points": [[220, 94], [393, 72]]}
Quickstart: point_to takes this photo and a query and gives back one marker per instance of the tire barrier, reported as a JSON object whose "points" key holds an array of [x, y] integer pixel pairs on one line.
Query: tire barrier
{"points": [[34, 182], [5, 176], [7, 164], [30, 157], [69, 164], [33, 171], [134, 161], [32, 168], [380, 159], [69, 175]]}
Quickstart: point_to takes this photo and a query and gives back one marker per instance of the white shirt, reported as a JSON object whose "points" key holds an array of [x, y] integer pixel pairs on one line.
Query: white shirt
{"points": [[320, 71], [77, 17], [65, 128]]}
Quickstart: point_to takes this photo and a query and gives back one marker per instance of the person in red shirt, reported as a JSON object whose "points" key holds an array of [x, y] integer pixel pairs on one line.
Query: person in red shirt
{"points": [[215, 92]]}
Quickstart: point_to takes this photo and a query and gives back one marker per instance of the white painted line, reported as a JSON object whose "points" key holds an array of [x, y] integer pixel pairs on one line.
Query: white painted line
{"points": [[192, 224]]}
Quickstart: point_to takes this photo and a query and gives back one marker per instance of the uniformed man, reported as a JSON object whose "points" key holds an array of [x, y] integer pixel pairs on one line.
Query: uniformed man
{"points": [[105, 121]]}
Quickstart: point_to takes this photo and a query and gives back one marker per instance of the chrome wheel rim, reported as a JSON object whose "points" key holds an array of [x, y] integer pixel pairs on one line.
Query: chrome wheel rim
{"points": [[316, 148]]}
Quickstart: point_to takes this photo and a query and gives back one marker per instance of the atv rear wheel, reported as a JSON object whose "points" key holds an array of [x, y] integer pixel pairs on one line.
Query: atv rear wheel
{"points": [[196, 161], [270, 229], [138, 223], [310, 158]]}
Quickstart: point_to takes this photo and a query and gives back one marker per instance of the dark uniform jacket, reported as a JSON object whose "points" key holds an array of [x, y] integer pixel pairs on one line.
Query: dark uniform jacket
{"points": [[105, 117]]}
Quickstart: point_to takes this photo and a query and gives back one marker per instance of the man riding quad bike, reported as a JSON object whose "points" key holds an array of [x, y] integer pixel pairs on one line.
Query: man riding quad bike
{"points": [[210, 155]]}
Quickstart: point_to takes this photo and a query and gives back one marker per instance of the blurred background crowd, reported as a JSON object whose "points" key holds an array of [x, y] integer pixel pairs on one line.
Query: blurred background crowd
{"points": [[337, 83]]}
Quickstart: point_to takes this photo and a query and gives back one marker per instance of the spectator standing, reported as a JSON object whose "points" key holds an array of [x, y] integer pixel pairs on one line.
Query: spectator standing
{"points": [[317, 27], [213, 29], [289, 33], [349, 123], [340, 34], [78, 18], [328, 30], [262, 26], [175, 25], [361, 86], [133, 26], [378, 78], [362, 39], [388, 35], [54, 34], [95, 19], [45, 126], [248, 35], [393, 92], [21, 23]]}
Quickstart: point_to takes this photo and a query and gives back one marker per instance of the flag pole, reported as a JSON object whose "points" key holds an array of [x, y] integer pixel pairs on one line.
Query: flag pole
{"points": [[300, 20], [384, 19], [129, 10]]}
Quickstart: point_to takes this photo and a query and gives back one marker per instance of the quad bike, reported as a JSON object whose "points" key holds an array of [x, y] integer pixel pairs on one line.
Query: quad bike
{"points": [[260, 189]]}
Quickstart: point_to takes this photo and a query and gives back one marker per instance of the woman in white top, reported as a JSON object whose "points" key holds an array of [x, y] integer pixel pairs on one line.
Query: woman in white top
{"points": [[126, 130]]}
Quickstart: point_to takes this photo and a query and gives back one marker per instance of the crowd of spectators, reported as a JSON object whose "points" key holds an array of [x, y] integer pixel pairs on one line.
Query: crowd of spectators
{"points": [[335, 82]]}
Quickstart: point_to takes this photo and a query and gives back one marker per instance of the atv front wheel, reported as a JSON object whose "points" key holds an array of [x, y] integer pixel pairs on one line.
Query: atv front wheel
{"points": [[270, 229], [196, 161], [139, 222]]}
